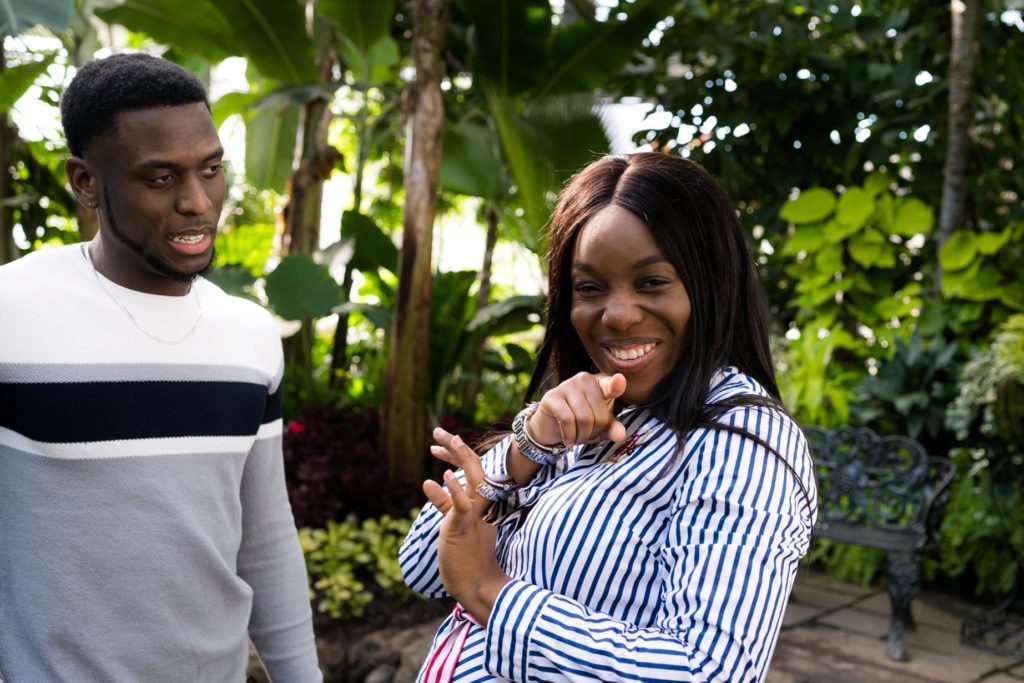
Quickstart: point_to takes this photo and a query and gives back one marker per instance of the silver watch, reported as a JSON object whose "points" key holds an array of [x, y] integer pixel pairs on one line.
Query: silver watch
{"points": [[495, 490], [528, 446]]}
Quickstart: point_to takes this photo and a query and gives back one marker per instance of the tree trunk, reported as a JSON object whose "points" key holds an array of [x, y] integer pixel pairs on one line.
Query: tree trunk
{"points": [[407, 392], [302, 227], [471, 387], [964, 15]]}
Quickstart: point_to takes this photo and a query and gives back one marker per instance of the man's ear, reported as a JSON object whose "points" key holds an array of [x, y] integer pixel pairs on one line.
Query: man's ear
{"points": [[84, 183]]}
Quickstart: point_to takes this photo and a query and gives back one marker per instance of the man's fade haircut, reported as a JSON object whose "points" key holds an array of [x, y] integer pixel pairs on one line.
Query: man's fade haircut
{"points": [[103, 88]]}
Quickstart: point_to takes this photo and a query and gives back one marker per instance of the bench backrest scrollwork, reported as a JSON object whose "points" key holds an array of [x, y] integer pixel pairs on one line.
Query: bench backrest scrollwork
{"points": [[879, 482]]}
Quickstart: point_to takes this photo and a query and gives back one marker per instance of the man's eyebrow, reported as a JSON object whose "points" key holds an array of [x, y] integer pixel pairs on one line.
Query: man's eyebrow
{"points": [[165, 163]]}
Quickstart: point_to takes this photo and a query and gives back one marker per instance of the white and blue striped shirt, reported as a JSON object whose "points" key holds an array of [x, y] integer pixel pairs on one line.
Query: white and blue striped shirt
{"points": [[628, 569]]}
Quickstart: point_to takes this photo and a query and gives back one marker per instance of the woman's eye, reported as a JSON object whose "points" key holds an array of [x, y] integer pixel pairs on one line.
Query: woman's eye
{"points": [[585, 287], [654, 282]]}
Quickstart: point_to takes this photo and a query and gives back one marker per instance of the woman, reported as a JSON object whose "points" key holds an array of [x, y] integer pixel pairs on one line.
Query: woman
{"points": [[644, 520]]}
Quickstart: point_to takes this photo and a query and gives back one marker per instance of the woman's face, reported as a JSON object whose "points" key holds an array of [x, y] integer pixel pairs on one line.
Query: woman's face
{"points": [[629, 307]]}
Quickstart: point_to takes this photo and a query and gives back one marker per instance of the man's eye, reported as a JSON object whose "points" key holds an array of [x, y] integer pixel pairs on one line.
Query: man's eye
{"points": [[164, 179], [213, 170]]}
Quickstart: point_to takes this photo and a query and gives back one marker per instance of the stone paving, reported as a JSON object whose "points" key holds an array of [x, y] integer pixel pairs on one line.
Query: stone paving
{"points": [[832, 633], [836, 631]]}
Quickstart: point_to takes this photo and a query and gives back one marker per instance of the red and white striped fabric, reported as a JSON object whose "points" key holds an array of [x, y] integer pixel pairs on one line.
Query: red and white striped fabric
{"points": [[441, 666]]}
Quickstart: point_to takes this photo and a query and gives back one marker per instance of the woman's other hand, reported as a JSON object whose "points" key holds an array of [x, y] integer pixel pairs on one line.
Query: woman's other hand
{"points": [[465, 550], [453, 450]]}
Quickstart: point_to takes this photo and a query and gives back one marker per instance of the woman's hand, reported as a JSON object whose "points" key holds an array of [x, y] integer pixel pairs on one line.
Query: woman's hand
{"points": [[465, 550], [579, 410], [454, 451]]}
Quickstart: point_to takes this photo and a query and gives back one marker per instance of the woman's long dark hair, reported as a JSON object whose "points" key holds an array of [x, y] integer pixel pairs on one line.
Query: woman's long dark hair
{"points": [[696, 227]]}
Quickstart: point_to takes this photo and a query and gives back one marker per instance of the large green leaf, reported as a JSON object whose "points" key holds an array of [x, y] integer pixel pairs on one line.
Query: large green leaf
{"points": [[959, 250], [363, 28], [19, 15], [531, 179], [372, 249], [272, 35], [379, 316], [298, 94], [991, 242], [854, 208], [361, 22], [829, 259], [232, 103], [836, 232], [587, 55], [270, 146], [567, 132], [300, 289], [514, 314], [374, 66], [510, 42], [804, 238], [985, 286], [811, 206], [450, 306], [235, 280], [195, 27], [913, 217], [470, 164], [876, 183], [508, 316], [1012, 296], [953, 282], [15, 80], [868, 248]]}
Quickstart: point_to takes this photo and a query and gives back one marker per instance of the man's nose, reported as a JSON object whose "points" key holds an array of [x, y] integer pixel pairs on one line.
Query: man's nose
{"points": [[193, 198]]}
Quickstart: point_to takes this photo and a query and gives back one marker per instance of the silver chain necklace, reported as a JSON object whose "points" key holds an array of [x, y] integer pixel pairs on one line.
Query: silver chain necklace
{"points": [[149, 333]]}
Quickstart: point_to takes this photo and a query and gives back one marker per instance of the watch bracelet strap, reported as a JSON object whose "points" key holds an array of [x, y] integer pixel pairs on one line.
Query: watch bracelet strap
{"points": [[528, 446], [496, 491]]}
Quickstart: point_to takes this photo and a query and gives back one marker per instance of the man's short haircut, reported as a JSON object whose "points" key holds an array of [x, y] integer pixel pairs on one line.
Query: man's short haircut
{"points": [[103, 88]]}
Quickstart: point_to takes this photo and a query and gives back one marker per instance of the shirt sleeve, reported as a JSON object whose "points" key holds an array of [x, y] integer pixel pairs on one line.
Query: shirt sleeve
{"points": [[270, 560], [733, 542]]}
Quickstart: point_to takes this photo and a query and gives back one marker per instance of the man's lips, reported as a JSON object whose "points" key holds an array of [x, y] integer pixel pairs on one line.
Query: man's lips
{"points": [[192, 242]]}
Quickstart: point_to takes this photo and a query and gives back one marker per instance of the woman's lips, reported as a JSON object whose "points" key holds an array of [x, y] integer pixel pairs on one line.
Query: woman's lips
{"points": [[631, 357]]}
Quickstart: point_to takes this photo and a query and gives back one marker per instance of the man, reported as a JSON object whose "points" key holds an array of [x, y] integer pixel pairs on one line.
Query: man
{"points": [[145, 530]]}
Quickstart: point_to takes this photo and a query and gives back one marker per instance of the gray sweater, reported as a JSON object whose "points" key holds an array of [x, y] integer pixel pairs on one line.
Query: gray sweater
{"points": [[145, 531]]}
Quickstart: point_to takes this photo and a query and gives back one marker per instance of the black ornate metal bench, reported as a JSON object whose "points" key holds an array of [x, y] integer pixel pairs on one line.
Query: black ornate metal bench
{"points": [[882, 492]]}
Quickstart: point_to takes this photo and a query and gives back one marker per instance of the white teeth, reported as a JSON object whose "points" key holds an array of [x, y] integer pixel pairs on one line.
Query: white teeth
{"points": [[188, 239], [631, 353]]}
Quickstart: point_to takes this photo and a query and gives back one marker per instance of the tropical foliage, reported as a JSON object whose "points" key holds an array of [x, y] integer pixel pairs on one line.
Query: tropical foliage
{"points": [[827, 121]]}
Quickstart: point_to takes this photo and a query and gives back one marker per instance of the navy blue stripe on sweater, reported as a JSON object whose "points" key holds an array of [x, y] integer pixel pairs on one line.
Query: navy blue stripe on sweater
{"points": [[79, 412]]}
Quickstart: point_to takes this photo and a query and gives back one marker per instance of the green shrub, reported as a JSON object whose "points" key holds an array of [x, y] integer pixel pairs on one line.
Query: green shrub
{"points": [[911, 391], [352, 564], [983, 528]]}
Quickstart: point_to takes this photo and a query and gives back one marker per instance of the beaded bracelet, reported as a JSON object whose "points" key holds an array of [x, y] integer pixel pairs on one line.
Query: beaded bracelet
{"points": [[528, 446]]}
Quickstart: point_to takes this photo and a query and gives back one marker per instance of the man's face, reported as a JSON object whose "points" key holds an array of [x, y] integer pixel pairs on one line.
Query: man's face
{"points": [[163, 187]]}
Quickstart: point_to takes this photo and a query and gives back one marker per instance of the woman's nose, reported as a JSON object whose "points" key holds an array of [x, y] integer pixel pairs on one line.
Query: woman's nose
{"points": [[621, 311]]}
